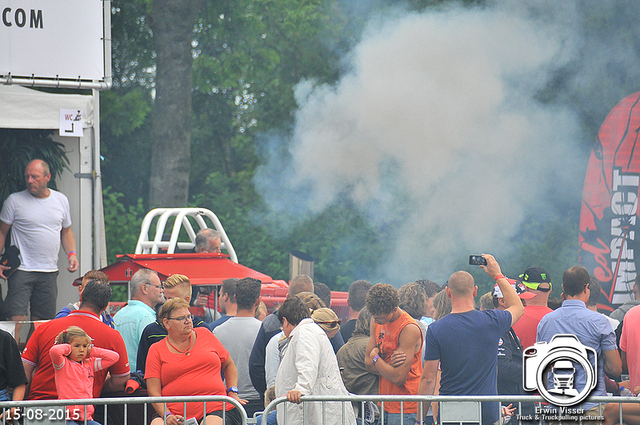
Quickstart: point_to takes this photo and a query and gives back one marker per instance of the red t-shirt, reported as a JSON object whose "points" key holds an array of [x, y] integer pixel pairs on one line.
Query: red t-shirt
{"points": [[387, 340], [195, 374], [527, 326], [630, 344], [36, 352]]}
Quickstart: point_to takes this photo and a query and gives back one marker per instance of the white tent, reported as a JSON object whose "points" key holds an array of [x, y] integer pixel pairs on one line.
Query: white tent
{"points": [[25, 108], [21, 107]]}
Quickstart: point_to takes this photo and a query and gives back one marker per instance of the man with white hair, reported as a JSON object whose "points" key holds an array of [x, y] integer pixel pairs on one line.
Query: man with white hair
{"points": [[130, 321], [208, 240]]}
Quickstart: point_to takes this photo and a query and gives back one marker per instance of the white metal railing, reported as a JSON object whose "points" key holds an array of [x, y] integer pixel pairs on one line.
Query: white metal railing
{"points": [[10, 325], [34, 409], [152, 246], [53, 412], [542, 417]]}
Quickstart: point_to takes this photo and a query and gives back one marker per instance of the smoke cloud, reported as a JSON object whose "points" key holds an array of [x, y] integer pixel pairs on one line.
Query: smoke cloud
{"points": [[442, 131]]}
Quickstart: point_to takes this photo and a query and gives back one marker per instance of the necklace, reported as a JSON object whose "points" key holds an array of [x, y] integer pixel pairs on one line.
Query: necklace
{"points": [[185, 352]]}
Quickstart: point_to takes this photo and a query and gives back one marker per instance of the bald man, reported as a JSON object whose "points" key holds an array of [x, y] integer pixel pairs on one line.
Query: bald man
{"points": [[465, 342], [40, 220]]}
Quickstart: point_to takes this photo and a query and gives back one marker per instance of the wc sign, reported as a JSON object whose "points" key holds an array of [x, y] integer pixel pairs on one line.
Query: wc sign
{"points": [[71, 123]]}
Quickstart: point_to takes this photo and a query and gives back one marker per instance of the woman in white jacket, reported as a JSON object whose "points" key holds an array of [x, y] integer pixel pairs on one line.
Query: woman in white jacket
{"points": [[309, 367]]}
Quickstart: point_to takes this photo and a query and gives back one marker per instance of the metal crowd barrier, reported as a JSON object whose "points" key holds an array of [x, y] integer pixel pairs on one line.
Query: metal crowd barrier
{"points": [[465, 409], [34, 412]]}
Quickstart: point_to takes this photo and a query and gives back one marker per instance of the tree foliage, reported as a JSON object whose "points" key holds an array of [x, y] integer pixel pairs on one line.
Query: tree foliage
{"points": [[132, 53], [247, 57], [123, 224], [335, 239]]}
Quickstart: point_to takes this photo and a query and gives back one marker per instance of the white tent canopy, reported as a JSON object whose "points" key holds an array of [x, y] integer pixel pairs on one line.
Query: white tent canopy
{"points": [[21, 107]]}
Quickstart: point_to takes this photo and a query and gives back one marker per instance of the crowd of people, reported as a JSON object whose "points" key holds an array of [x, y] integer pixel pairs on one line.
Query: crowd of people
{"points": [[446, 345], [420, 339]]}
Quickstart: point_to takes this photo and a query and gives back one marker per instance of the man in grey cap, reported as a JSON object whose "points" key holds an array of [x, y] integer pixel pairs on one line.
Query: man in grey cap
{"points": [[538, 282]]}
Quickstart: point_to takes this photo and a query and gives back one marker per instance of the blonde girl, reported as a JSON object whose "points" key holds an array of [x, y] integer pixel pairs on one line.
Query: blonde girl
{"points": [[75, 360]]}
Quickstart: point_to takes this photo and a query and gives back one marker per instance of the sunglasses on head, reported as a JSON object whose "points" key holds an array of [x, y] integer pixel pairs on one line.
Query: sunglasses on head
{"points": [[332, 323]]}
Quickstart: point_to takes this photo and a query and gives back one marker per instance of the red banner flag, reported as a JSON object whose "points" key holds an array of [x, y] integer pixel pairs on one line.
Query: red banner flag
{"points": [[608, 241]]}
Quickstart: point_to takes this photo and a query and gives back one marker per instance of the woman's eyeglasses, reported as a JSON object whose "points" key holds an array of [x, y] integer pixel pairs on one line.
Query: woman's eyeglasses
{"points": [[184, 319]]}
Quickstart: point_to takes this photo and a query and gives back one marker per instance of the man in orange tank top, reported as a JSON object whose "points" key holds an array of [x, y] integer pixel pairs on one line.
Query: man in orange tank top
{"points": [[394, 352]]}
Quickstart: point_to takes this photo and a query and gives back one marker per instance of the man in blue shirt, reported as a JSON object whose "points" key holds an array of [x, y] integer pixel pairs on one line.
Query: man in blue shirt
{"points": [[130, 321], [465, 342], [590, 327], [91, 274]]}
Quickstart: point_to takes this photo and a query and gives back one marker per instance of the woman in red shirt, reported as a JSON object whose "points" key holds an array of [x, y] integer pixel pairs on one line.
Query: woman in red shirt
{"points": [[188, 362]]}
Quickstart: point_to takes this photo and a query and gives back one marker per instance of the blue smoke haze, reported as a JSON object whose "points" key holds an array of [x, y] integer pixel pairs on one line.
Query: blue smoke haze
{"points": [[454, 127]]}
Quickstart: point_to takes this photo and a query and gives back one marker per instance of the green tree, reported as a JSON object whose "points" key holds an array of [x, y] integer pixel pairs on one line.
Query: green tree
{"points": [[247, 57], [125, 109], [342, 243], [122, 224], [172, 22]]}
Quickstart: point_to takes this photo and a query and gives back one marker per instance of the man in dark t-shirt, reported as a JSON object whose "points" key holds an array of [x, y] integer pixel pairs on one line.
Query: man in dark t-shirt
{"points": [[11, 371], [357, 296], [465, 342]]}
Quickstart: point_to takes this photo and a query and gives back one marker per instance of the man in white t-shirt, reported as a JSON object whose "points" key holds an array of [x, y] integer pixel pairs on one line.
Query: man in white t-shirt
{"points": [[40, 221]]}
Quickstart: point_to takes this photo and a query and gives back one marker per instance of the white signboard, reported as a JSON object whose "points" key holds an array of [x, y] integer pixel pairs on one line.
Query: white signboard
{"points": [[52, 39], [71, 123]]}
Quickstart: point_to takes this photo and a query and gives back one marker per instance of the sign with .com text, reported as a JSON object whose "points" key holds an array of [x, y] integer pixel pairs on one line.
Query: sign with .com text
{"points": [[52, 39]]}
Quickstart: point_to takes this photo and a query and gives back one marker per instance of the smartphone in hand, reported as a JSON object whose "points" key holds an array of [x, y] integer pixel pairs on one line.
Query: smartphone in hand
{"points": [[477, 260]]}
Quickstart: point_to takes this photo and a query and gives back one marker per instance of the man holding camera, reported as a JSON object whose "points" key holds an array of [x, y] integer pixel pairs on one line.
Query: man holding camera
{"points": [[465, 342], [575, 318]]}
